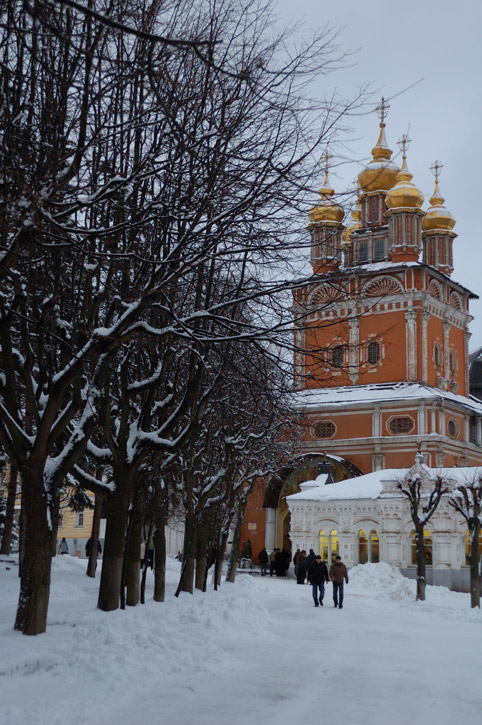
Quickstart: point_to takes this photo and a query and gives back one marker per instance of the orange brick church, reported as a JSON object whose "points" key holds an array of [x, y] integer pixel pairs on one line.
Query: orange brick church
{"points": [[393, 325]]}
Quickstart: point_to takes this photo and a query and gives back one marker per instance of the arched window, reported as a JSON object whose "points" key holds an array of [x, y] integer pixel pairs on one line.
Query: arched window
{"points": [[436, 355], [368, 547], [374, 209], [373, 352], [452, 362], [427, 540], [362, 547], [337, 356], [329, 545], [467, 547], [374, 547]]}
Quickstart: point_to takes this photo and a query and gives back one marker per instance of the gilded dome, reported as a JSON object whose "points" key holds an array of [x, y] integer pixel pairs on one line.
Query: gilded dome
{"points": [[381, 173], [404, 193], [437, 216], [353, 224], [326, 211]]}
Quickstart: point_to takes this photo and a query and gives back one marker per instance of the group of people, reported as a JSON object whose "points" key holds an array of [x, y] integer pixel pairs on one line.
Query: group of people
{"points": [[278, 561], [308, 567]]}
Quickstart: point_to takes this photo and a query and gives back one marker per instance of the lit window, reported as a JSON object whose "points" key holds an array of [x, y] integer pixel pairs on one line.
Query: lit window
{"points": [[399, 426], [373, 352], [368, 547], [329, 545], [324, 429]]}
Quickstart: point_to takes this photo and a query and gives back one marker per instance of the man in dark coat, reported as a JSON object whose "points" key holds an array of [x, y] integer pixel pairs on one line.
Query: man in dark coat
{"points": [[263, 561], [310, 559], [317, 576], [338, 572]]}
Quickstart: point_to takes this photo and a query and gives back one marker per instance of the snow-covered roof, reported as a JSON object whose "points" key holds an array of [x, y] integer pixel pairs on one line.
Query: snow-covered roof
{"points": [[350, 395], [371, 485]]}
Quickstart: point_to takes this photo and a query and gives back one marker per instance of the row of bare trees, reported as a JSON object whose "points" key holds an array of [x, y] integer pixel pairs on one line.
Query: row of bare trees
{"points": [[154, 156], [424, 494]]}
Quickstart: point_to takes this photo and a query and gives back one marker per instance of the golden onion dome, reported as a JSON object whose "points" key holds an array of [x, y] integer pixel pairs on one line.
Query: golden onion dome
{"points": [[326, 211], [437, 216], [353, 224], [381, 173], [404, 193]]}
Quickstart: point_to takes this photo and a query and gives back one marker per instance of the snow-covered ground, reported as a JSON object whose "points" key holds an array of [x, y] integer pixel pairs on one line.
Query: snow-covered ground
{"points": [[256, 652]]}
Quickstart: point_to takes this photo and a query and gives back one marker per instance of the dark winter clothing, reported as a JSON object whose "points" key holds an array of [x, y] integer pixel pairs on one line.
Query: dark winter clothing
{"points": [[263, 561], [310, 559], [338, 572], [301, 568], [318, 575], [272, 561], [64, 547], [88, 547], [318, 572], [295, 559]]}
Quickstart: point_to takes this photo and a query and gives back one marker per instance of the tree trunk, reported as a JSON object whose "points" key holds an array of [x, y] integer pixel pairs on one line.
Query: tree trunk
{"points": [[186, 581], [37, 560], [233, 560], [421, 580], [201, 557], [474, 568], [94, 538], [114, 543], [160, 564], [133, 563], [9, 511], [146, 564]]}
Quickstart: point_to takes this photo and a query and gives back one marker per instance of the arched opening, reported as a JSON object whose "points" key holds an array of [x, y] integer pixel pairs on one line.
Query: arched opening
{"points": [[329, 545], [368, 547]]}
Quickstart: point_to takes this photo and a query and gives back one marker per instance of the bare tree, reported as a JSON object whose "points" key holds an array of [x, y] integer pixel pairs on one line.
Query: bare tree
{"points": [[424, 494], [466, 498]]}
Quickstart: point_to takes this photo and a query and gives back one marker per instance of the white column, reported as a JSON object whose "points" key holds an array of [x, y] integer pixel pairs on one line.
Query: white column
{"points": [[270, 536], [425, 316], [411, 320]]}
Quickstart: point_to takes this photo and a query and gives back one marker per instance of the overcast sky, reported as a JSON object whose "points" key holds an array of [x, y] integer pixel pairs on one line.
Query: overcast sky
{"points": [[437, 45]]}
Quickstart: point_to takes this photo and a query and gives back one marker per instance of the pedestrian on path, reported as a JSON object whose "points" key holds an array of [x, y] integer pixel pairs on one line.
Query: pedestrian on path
{"points": [[317, 576], [338, 573]]}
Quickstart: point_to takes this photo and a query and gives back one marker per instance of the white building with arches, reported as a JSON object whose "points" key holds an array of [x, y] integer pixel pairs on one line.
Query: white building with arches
{"points": [[367, 519]]}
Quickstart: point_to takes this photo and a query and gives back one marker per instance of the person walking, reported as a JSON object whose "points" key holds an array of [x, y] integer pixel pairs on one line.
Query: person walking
{"points": [[310, 559], [295, 559], [301, 567], [263, 561], [338, 573], [64, 547], [317, 576]]}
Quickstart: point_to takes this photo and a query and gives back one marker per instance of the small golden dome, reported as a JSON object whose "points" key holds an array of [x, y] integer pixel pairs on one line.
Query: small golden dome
{"points": [[353, 224], [381, 173], [437, 216], [326, 211], [404, 193]]}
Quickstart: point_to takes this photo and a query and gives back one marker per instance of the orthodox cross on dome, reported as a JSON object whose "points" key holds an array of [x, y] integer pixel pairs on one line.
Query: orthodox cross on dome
{"points": [[404, 142], [382, 110], [436, 169]]}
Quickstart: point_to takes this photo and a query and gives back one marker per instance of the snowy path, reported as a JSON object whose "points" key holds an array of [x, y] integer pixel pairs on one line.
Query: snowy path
{"points": [[355, 666], [256, 653]]}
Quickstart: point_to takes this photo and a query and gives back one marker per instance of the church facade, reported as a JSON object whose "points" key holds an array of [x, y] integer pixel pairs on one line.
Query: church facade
{"points": [[382, 370]]}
